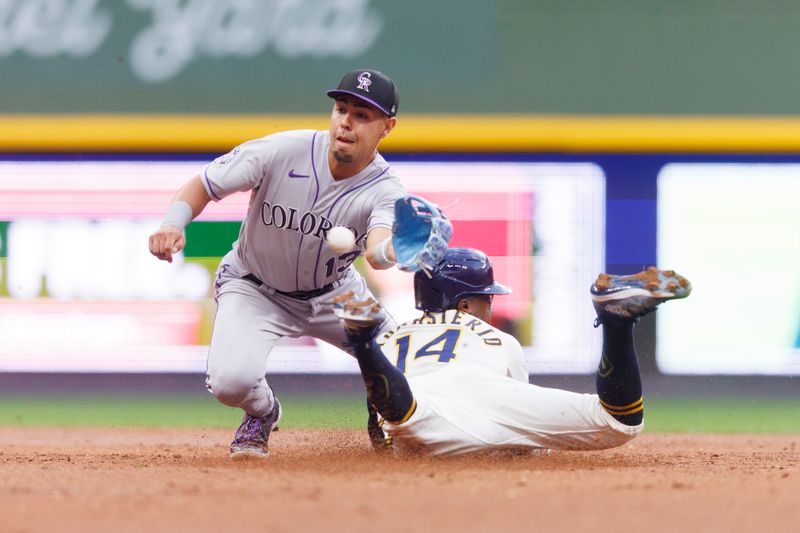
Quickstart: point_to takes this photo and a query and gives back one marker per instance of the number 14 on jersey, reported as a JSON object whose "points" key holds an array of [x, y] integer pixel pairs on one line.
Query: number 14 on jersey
{"points": [[442, 347]]}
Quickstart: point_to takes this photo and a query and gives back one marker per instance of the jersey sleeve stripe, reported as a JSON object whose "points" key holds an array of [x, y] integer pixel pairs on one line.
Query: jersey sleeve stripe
{"points": [[209, 187]]}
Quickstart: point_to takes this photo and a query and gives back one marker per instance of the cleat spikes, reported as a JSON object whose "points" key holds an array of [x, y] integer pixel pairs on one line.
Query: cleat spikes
{"points": [[635, 295], [358, 317]]}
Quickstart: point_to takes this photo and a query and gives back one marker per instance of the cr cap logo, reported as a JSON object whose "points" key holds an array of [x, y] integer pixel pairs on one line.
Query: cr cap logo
{"points": [[364, 82]]}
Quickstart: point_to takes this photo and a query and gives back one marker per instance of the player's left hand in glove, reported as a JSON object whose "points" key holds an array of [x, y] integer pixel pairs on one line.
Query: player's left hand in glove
{"points": [[420, 234]]}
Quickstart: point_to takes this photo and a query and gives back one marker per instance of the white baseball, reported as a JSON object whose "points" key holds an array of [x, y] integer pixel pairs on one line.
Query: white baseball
{"points": [[341, 239]]}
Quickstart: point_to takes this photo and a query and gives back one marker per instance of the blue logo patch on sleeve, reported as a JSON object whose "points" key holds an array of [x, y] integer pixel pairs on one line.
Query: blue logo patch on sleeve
{"points": [[227, 158]]}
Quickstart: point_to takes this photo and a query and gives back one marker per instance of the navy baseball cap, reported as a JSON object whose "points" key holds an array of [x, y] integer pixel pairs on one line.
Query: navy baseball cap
{"points": [[372, 86]]}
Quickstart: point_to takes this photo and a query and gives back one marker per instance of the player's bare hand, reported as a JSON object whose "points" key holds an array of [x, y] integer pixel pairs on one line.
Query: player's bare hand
{"points": [[167, 241]]}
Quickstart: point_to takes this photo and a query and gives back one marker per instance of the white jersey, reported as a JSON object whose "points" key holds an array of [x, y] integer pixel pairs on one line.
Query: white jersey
{"points": [[438, 340], [472, 394], [294, 201]]}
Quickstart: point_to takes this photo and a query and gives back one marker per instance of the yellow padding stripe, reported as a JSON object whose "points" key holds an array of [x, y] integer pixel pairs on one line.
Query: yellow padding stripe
{"points": [[629, 412], [632, 404], [410, 412], [414, 133], [634, 407]]}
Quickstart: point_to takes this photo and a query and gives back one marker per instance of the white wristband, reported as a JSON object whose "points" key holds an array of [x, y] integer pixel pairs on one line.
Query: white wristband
{"points": [[382, 256], [178, 214]]}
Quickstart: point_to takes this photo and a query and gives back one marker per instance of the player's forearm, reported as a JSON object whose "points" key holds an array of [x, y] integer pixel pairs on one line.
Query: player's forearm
{"points": [[189, 202], [194, 194], [380, 251]]}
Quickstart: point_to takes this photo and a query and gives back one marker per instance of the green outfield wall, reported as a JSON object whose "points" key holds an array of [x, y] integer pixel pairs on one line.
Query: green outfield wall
{"points": [[573, 57]]}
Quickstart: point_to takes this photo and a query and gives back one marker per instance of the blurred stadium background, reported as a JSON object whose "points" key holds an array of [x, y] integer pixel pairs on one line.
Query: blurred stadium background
{"points": [[563, 138]]}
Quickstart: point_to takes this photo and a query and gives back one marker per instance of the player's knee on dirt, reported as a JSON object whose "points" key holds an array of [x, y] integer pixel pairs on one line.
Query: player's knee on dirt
{"points": [[619, 434], [628, 434]]}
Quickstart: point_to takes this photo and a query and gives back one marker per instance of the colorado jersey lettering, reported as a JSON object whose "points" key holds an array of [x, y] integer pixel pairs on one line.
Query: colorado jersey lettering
{"points": [[298, 201]]}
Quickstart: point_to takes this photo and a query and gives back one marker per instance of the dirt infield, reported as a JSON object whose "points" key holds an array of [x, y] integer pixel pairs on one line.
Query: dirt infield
{"points": [[182, 480]]}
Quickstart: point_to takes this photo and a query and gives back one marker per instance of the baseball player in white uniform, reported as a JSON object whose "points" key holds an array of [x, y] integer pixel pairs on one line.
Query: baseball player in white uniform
{"points": [[280, 277], [449, 383]]}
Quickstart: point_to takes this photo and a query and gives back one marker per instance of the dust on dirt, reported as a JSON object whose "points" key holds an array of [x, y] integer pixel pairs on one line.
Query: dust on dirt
{"points": [[125, 479]]}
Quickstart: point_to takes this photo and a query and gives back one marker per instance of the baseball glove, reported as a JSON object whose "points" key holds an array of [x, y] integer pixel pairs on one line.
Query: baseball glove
{"points": [[420, 234]]}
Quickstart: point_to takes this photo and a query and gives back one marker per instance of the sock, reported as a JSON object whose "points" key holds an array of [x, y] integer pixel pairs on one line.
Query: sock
{"points": [[619, 384], [387, 387]]}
